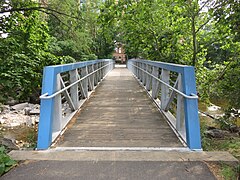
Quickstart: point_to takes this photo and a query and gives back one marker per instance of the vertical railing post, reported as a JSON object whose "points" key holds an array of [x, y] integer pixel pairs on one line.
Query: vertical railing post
{"points": [[155, 83], [74, 89], [57, 116], [95, 74], [91, 78], [133, 64], [180, 119], [99, 72], [191, 110], [149, 78], [144, 74], [107, 68], [138, 74], [84, 72], [46, 109], [164, 89], [141, 73]]}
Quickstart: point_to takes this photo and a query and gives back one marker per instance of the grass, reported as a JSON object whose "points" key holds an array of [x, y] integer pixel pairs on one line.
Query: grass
{"points": [[31, 138], [232, 145], [229, 172]]}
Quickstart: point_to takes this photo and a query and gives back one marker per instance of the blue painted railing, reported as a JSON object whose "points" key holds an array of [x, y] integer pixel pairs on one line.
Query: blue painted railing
{"points": [[64, 89], [173, 88]]}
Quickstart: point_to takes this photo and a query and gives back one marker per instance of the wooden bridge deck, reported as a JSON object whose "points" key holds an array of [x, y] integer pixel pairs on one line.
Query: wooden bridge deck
{"points": [[119, 114]]}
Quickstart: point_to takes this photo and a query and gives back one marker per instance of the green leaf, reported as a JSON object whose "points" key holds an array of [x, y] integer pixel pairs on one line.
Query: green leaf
{"points": [[2, 149], [10, 162], [2, 168]]}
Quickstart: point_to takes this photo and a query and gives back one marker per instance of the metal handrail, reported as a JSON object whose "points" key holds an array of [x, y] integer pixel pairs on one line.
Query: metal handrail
{"points": [[45, 96], [192, 95]]}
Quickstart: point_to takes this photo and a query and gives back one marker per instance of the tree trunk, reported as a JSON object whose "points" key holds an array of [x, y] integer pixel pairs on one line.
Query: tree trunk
{"points": [[194, 41]]}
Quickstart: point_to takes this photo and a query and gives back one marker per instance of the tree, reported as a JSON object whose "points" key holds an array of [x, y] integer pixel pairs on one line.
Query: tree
{"points": [[22, 52]]}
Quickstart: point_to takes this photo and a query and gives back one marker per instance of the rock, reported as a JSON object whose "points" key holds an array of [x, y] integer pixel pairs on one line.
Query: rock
{"points": [[20, 114], [215, 133], [29, 121], [213, 107], [14, 124], [36, 106], [34, 112], [27, 111], [36, 119], [211, 128], [9, 144], [2, 121], [12, 102], [20, 106], [234, 129], [4, 109]]}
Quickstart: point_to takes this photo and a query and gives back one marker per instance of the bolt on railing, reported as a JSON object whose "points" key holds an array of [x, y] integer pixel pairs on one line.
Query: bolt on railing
{"points": [[173, 88], [64, 89]]}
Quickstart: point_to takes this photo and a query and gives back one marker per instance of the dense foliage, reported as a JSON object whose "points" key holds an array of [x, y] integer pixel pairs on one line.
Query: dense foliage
{"points": [[37, 36], [203, 33]]}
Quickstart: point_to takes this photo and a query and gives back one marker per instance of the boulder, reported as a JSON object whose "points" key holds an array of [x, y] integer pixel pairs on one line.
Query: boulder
{"points": [[214, 133], [8, 143], [19, 107]]}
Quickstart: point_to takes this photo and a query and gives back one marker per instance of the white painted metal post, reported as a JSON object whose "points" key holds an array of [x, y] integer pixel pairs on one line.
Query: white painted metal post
{"points": [[57, 115], [180, 119], [84, 72], [134, 68], [144, 74], [95, 74], [74, 89], [138, 71], [91, 78], [149, 78], [164, 89], [155, 83], [99, 72], [141, 73]]}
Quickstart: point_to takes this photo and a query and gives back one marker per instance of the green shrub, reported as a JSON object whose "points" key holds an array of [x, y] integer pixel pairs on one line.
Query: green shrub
{"points": [[6, 162]]}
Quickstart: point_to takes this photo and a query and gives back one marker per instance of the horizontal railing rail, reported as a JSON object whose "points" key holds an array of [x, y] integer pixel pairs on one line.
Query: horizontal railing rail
{"points": [[64, 89], [173, 89]]}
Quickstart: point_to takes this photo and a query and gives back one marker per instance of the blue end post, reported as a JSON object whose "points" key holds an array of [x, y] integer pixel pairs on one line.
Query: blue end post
{"points": [[191, 110], [46, 109]]}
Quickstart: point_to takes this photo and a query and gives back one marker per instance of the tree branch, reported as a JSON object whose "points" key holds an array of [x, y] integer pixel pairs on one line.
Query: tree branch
{"points": [[55, 17], [40, 8], [202, 25]]}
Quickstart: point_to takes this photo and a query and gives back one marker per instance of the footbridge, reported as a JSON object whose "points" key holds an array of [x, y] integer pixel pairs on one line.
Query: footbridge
{"points": [[97, 105]]}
